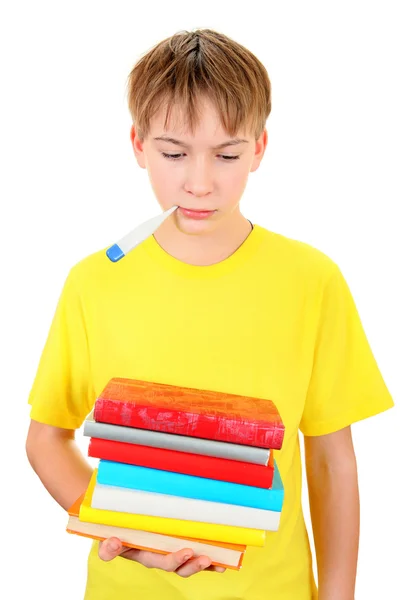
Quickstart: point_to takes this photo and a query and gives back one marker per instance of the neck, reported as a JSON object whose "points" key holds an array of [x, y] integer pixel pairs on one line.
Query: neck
{"points": [[206, 248]]}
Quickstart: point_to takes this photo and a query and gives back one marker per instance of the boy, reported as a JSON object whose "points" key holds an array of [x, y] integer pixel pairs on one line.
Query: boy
{"points": [[211, 301]]}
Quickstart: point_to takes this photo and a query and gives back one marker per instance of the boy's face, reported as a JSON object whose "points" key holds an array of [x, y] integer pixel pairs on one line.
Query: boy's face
{"points": [[203, 171]]}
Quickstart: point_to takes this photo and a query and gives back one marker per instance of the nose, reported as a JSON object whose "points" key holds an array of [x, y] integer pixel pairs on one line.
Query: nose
{"points": [[199, 181]]}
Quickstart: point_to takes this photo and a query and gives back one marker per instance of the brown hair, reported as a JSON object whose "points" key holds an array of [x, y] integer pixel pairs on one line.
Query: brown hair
{"points": [[187, 65]]}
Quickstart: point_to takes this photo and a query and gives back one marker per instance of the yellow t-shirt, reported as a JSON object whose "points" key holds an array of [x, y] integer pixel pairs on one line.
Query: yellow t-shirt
{"points": [[274, 320]]}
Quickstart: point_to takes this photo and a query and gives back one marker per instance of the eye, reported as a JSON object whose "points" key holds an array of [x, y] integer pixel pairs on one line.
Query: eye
{"points": [[171, 156], [178, 156]]}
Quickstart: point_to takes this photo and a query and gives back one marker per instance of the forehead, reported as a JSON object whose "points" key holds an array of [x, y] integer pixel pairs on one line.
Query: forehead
{"points": [[208, 126]]}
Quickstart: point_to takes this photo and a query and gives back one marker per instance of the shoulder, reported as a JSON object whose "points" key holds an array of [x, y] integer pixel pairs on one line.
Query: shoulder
{"points": [[93, 263], [298, 258], [95, 273]]}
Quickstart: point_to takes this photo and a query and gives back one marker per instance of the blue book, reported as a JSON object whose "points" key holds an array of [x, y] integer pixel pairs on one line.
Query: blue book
{"points": [[190, 486]]}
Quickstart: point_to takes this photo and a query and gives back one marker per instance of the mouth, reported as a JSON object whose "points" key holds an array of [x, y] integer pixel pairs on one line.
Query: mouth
{"points": [[195, 213]]}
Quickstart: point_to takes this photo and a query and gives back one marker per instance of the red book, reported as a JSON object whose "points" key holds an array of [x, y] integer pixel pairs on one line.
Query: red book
{"points": [[192, 412], [199, 465]]}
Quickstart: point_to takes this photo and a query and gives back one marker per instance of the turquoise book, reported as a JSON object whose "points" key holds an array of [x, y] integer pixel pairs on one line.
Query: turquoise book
{"points": [[190, 486]]}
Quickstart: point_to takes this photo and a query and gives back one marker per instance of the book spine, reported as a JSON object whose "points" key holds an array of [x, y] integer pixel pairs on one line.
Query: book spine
{"points": [[180, 443], [187, 486], [182, 462], [124, 500], [260, 434], [178, 527]]}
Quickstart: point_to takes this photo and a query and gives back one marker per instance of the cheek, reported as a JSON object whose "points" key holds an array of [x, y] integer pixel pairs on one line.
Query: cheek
{"points": [[161, 175], [235, 178]]}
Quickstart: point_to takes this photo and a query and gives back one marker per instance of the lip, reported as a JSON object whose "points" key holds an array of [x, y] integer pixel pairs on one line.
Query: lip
{"points": [[195, 213]]}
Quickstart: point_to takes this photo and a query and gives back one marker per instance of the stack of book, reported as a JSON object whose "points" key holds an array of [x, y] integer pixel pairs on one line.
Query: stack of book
{"points": [[180, 467]]}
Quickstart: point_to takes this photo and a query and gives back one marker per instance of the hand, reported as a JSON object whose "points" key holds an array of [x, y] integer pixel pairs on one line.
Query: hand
{"points": [[182, 562]]}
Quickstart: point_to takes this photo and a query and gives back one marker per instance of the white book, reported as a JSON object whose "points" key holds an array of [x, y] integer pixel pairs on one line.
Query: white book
{"points": [[119, 499]]}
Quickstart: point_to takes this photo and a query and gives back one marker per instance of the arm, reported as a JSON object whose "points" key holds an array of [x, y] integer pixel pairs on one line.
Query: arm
{"points": [[334, 506], [56, 459]]}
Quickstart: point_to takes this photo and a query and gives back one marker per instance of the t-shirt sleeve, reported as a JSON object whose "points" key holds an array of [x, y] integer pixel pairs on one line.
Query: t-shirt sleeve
{"points": [[345, 384], [62, 394]]}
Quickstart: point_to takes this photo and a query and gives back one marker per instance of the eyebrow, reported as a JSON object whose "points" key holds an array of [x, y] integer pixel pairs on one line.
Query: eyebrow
{"points": [[232, 142]]}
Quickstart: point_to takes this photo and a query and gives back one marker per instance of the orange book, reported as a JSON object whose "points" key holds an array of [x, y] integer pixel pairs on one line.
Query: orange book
{"points": [[229, 556]]}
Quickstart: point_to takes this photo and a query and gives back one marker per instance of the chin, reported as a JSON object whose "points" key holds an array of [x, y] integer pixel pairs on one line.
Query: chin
{"points": [[195, 227]]}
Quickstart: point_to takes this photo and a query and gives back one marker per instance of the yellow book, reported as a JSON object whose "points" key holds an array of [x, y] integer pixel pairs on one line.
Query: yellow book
{"points": [[177, 527]]}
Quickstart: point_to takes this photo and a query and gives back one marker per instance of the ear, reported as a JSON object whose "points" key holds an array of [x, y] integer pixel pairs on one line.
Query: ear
{"points": [[137, 145], [261, 145]]}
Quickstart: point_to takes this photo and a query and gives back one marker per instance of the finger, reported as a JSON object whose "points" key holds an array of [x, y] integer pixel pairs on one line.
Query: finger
{"points": [[171, 562], [154, 560], [216, 569], [110, 548], [191, 567]]}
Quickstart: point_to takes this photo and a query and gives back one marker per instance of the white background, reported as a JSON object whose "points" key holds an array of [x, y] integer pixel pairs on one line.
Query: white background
{"points": [[70, 186]]}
